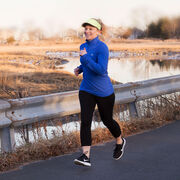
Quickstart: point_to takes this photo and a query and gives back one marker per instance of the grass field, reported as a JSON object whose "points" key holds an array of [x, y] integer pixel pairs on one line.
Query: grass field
{"points": [[40, 47]]}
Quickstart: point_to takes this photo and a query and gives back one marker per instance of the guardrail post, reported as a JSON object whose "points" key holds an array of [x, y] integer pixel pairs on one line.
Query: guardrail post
{"points": [[133, 110], [7, 139]]}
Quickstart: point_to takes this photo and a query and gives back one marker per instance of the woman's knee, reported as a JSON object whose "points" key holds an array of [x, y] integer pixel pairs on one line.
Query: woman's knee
{"points": [[86, 124], [107, 122]]}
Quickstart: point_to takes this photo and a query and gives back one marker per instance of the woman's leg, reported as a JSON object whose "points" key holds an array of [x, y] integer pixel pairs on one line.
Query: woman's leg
{"points": [[105, 107], [87, 103]]}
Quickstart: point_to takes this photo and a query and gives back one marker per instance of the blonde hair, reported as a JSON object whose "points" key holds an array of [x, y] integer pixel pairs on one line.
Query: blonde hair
{"points": [[103, 29]]}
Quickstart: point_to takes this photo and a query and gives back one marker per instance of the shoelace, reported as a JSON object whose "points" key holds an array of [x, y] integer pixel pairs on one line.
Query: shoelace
{"points": [[84, 157]]}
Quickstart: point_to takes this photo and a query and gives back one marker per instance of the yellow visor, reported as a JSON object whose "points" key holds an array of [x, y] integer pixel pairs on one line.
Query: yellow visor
{"points": [[92, 22]]}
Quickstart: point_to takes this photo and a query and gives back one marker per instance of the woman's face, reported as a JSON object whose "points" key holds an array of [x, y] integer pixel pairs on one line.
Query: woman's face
{"points": [[91, 32]]}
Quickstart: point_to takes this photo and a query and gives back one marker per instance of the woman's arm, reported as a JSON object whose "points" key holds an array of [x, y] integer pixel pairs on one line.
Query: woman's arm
{"points": [[99, 67], [80, 69]]}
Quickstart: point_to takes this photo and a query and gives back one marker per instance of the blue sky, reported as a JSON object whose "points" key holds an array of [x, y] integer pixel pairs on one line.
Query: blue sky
{"points": [[53, 15]]}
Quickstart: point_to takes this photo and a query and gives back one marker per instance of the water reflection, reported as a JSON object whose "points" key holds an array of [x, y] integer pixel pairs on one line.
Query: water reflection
{"points": [[131, 69], [166, 63]]}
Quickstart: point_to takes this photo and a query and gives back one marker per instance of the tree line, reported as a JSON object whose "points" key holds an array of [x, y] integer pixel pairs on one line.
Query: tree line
{"points": [[164, 28]]}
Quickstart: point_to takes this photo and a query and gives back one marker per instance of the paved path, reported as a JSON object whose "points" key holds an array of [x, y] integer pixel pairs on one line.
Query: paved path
{"points": [[154, 155]]}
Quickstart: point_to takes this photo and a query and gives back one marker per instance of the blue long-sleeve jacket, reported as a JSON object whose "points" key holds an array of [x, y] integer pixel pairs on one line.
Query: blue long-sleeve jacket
{"points": [[94, 66]]}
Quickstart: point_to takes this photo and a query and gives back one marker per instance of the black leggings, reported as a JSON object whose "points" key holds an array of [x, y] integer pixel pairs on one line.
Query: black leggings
{"points": [[105, 106]]}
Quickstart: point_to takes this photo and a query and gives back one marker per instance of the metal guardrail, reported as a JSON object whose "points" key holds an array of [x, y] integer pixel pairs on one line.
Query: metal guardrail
{"points": [[18, 112]]}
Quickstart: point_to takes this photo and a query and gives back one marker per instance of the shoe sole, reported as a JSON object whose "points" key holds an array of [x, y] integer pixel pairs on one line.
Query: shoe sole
{"points": [[122, 150], [77, 162]]}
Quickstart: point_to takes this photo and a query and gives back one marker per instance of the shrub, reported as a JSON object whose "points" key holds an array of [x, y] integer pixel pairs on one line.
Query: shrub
{"points": [[10, 40]]}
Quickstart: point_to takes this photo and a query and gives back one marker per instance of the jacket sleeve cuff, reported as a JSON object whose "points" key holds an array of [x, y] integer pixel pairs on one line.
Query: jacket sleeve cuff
{"points": [[80, 69]]}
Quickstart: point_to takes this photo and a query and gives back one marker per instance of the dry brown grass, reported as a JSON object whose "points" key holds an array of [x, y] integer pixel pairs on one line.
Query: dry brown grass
{"points": [[162, 112], [39, 48], [23, 80], [145, 45]]}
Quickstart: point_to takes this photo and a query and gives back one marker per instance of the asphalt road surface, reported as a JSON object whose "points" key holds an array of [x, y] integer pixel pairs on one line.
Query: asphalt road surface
{"points": [[153, 155]]}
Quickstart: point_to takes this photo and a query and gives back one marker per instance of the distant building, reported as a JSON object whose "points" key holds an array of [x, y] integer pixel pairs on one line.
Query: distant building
{"points": [[16, 34], [21, 36], [69, 35], [136, 34]]}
